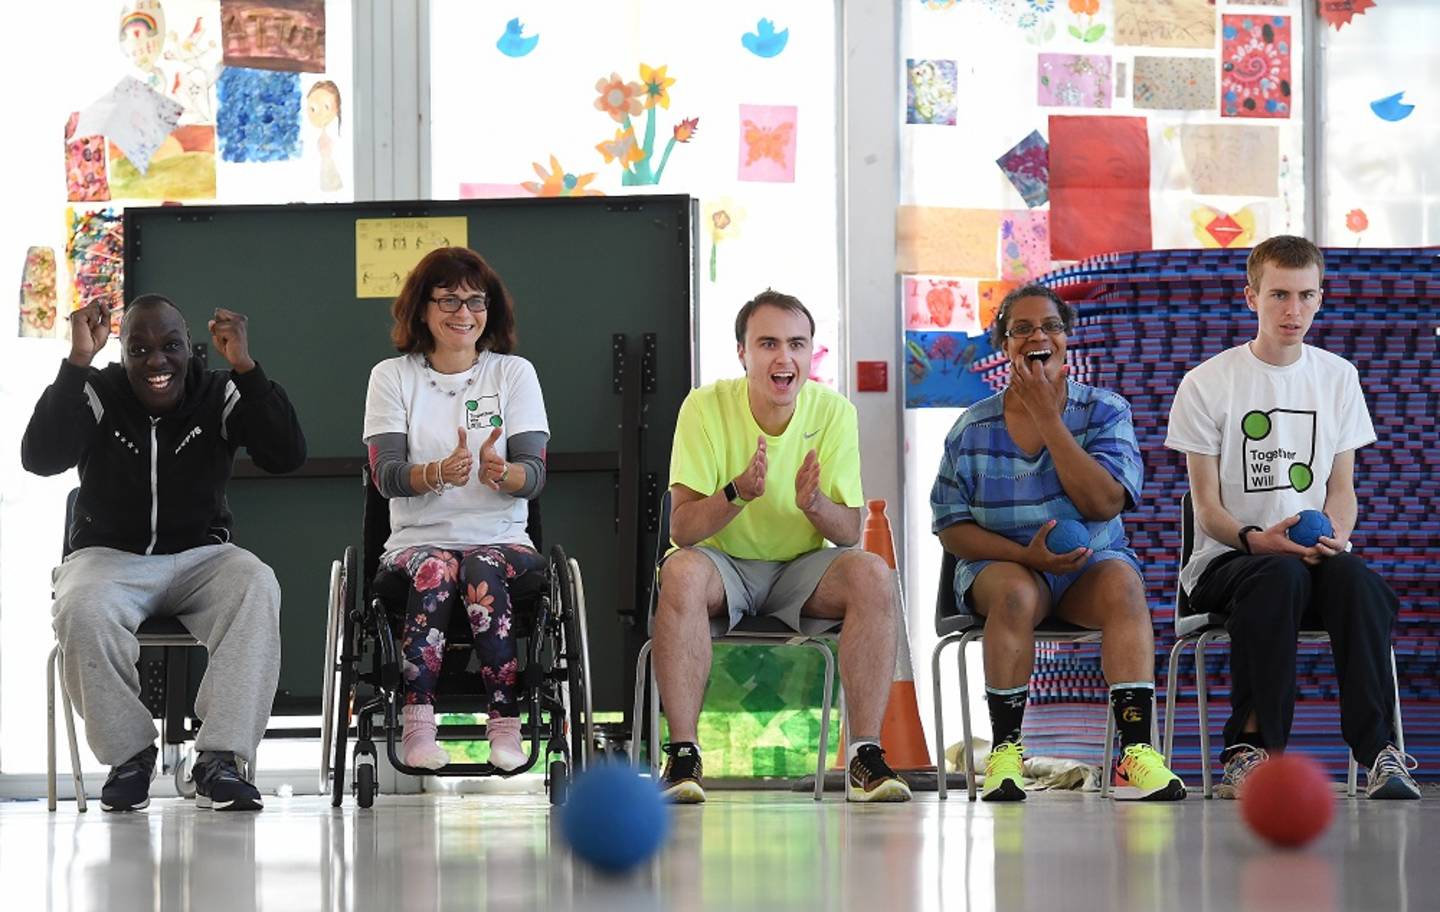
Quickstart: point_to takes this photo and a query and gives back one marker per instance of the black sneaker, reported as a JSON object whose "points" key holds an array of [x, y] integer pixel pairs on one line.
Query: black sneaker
{"points": [[218, 785], [127, 788], [872, 779], [681, 778]]}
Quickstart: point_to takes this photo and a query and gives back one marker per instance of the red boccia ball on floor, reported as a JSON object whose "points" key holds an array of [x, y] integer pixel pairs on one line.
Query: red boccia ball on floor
{"points": [[1288, 800]]}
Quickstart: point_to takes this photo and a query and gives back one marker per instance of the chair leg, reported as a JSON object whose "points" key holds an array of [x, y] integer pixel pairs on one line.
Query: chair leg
{"points": [[76, 774], [1399, 722], [1172, 685], [50, 728], [1109, 762], [638, 718], [966, 732], [936, 702], [824, 716], [1351, 774], [654, 715], [1202, 700]]}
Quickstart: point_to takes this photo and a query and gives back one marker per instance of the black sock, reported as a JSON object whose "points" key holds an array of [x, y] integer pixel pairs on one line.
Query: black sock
{"points": [[1131, 705], [1007, 711]]}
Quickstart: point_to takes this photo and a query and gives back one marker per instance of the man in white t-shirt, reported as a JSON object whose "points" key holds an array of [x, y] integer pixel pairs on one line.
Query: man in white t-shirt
{"points": [[1269, 429]]}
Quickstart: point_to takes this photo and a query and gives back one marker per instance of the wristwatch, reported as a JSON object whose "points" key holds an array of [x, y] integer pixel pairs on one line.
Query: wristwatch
{"points": [[1241, 536], [732, 494]]}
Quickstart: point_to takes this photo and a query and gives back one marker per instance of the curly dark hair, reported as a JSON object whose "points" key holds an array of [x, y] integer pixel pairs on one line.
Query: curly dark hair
{"points": [[1032, 290], [449, 268]]}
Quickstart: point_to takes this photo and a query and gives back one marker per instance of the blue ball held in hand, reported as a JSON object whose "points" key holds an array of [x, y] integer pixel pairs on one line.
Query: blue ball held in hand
{"points": [[613, 818], [1311, 525], [1066, 536]]}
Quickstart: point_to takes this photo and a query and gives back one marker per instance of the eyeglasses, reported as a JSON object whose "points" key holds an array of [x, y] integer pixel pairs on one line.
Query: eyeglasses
{"points": [[451, 304], [1026, 330]]}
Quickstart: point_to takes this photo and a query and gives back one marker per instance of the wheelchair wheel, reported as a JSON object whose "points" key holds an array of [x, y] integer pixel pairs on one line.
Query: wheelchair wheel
{"points": [[571, 615], [558, 782], [343, 659], [364, 776], [185, 774], [333, 627]]}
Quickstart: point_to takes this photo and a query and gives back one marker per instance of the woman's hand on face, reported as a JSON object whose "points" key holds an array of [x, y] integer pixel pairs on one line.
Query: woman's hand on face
{"points": [[1038, 555], [1039, 386]]}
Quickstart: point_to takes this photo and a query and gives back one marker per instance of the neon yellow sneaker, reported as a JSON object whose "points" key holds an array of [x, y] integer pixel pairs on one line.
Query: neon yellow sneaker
{"points": [[1004, 773], [1141, 775]]}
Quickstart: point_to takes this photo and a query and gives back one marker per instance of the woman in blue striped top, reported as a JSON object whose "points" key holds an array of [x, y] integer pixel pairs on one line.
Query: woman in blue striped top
{"points": [[1043, 450]]}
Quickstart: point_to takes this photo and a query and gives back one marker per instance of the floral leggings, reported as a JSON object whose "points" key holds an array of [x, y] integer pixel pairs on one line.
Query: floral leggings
{"points": [[439, 578]]}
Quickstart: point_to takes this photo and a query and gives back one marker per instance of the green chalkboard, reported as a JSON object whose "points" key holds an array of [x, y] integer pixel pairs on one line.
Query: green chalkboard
{"points": [[604, 292]]}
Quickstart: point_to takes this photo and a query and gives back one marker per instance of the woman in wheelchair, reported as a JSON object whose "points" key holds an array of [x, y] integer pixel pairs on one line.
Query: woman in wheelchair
{"points": [[456, 431]]}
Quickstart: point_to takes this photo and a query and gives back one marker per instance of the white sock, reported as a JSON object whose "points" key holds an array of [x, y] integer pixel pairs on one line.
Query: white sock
{"points": [[854, 748]]}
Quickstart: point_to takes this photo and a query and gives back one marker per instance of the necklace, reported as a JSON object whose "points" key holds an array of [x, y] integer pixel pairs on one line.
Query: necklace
{"points": [[430, 368]]}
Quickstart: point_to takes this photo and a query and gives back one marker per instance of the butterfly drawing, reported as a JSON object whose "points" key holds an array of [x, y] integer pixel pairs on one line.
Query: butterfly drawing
{"points": [[767, 142]]}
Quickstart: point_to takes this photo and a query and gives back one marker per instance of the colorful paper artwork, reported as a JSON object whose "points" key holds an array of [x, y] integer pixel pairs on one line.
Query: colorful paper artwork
{"points": [[722, 219], [943, 369], [286, 35], [1165, 23], [386, 249], [1024, 245], [1085, 27], [470, 190], [196, 59], [1073, 81], [1122, 80], [95, 252], [556, 181], [1255, 66], [85, 179], [259, 119], [1175, 83], [991, 296], [513, 42], [1392, 108], [1214, 228], [623, 101], [930, 89], [37, 294], [932, 240], [767, 143], [132, 116], [183, 168], [142, 38], [1231, 160], [933, 302], [323, 111], [765, 41], [1099, 185], [1027, 165], [1339, 12]]}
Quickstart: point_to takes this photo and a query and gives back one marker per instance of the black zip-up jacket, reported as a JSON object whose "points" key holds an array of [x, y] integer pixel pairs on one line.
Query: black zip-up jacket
{"points": [[157, 485]]}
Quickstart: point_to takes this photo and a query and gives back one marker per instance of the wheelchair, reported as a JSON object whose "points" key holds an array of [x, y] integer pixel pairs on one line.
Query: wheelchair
{"points": [[363, 666]]}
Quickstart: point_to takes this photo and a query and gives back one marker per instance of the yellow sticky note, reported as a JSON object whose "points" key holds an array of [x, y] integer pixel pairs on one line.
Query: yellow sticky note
{"points": [[940, 241], [387, 249]]}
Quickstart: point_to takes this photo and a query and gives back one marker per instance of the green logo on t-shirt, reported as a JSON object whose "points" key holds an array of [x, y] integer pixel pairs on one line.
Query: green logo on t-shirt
{"points": [[1279, 450]]}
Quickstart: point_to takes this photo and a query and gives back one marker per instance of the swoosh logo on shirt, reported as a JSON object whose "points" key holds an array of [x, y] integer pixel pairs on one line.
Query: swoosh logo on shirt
{"points": [[812, 434]]}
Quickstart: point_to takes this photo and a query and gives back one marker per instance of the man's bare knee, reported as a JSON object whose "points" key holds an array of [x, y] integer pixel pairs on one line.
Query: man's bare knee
{"points": [[866, 582], [687, 579]]}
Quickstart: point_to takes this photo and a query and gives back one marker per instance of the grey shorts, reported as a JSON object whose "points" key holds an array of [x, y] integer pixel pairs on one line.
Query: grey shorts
{"points": [[772, 591]]}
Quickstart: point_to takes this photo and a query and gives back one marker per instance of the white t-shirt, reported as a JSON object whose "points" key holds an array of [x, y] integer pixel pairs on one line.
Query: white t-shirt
{"points": [[401, 400], [1276, 430]]}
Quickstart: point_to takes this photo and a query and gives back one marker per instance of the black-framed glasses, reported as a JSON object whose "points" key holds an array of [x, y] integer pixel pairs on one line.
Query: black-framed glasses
{"points": [[1026, 330], [451, 304]]}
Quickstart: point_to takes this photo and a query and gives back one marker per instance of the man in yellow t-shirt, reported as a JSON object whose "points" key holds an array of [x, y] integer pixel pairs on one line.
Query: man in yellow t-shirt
{"points": [[764, 471]]}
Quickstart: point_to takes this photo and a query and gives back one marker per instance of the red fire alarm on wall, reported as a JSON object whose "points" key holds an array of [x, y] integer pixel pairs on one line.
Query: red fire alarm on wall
{"points": [[872, 376]]}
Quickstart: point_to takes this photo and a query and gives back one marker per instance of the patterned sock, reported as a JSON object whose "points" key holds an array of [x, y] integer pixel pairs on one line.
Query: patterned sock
{"points": [[1007, 711], [1131, 705]]}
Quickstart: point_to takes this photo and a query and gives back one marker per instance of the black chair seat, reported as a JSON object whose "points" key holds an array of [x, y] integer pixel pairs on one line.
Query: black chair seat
{"points": [[162, 626]]}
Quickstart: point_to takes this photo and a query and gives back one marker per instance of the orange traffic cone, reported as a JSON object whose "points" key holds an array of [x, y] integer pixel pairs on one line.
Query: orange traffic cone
{"points": [[901, 734]]}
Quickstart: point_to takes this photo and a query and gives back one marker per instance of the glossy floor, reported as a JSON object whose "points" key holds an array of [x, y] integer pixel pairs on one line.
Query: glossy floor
{"points": [[741, 850]]}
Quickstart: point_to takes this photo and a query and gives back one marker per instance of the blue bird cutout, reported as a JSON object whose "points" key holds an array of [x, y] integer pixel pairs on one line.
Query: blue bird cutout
{"points": [[513, 43], [765, 41], [1391, 108]]}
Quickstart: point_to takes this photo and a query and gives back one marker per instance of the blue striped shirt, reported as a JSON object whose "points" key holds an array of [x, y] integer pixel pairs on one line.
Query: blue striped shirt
{"points": [[986, 479]]}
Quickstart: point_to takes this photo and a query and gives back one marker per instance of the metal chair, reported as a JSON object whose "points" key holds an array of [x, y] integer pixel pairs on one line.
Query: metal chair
{"points": [[954, 626], [751, 631], [159, 632], [1204, 629]]}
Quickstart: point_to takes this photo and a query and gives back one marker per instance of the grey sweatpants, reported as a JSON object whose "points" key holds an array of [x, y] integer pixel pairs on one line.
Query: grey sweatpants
{"points": [[224, 596]]}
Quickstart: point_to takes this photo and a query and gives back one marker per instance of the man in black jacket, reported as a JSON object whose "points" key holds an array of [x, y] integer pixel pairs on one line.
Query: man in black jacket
{"points": [[155, 438]]}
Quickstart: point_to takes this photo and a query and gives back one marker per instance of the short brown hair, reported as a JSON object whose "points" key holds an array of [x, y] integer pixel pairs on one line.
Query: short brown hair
{"points": [[451, 267], [1286, 251], [769, 298]]}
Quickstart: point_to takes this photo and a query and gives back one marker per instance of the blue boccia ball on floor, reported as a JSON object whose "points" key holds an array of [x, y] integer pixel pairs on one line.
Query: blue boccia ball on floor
{"points": [[613, 818], [1066, 536], [1307, 530]]}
